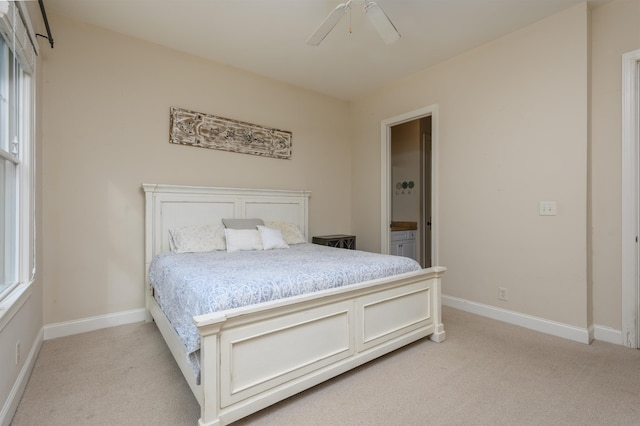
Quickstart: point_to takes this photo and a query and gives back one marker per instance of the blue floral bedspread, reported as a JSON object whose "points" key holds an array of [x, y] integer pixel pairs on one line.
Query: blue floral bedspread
{"points": [[191, 284]]}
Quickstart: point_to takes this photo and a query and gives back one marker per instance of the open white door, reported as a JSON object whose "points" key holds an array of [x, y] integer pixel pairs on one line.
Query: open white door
{"points": [[630, 198]]}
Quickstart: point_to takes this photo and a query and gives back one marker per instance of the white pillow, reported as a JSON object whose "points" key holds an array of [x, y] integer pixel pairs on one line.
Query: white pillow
{"points": [[271, 238], [242, 239], [197, 238], [290, 232]]}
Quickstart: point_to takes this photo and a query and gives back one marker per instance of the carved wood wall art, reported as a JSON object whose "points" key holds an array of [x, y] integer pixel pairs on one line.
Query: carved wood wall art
{"points": [[209, 131]]}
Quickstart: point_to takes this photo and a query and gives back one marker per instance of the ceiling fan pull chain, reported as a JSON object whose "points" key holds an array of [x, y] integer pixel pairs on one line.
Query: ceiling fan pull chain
{"points": [[350, 29]]}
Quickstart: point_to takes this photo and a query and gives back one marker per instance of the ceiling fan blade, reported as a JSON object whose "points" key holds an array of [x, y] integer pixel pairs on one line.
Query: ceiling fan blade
{"points": [[327, 25], [381, 22]]}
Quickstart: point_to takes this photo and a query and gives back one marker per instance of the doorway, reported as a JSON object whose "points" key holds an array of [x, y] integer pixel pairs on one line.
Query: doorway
{"points": [[411, 190], [419, 168]]}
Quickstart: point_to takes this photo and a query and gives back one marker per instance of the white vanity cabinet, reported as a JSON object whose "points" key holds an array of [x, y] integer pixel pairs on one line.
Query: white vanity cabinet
{"points": [[403, 243]]}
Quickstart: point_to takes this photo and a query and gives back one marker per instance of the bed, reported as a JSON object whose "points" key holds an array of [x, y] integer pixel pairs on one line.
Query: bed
{"points": [[250, 357]]}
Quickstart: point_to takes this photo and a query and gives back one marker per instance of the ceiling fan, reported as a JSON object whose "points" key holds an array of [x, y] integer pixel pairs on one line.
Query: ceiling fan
{"points": [[376, 15]]}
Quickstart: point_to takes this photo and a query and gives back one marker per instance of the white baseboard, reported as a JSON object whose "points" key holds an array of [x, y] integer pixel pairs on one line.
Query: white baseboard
{"points": [[68, 328], [607, 334], [582, 335], [12, 401], [577, 334]]}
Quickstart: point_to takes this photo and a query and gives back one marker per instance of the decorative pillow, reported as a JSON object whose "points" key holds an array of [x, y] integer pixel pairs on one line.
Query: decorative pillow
{"points": [[271, 238], [197, 238], [290, 232], [242, 239], [242, 223]]}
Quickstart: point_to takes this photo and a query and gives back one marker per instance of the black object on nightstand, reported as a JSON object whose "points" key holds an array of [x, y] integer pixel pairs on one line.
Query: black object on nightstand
{"points": [[338, 240]]}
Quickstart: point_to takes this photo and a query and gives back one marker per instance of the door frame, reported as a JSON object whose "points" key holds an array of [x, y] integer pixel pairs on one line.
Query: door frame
{"points": [[385, 216], [630, 208]]}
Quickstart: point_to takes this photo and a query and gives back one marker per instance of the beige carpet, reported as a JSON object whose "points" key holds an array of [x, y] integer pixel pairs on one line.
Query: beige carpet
{"points": [[485, 373]]}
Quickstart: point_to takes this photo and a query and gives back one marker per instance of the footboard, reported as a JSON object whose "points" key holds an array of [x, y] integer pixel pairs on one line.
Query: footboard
{"points": [[255, 356]]}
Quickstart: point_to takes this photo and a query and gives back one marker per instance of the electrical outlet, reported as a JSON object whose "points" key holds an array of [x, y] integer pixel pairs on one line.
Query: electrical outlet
{"points": [[18, 352], [503, 293]]}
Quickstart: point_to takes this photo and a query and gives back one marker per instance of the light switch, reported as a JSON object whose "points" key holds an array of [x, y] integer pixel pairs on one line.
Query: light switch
{"points": [[548, 208]]}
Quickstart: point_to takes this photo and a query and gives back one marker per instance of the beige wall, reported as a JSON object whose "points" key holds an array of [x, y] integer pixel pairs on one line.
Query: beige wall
{"points": [[513, 127], [106, 123], [615, 30], [512, 132]]}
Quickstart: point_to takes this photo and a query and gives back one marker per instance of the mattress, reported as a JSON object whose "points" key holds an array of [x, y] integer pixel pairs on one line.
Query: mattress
{"points": [[190, 284]]}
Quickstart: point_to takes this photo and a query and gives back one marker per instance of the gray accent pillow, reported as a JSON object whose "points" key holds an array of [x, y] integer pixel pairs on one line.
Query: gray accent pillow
{"points": [[242, 223]]}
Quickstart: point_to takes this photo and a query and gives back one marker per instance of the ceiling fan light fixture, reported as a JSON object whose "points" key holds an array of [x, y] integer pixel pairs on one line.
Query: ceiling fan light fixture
{"points": [[381, 22]]}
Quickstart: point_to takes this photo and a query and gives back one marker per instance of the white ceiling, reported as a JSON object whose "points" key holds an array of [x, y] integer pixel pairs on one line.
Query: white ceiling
{"points": [[267, 37]]}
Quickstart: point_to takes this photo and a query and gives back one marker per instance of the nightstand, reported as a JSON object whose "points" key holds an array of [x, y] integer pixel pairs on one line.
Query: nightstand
{"points": [[338, 240]]}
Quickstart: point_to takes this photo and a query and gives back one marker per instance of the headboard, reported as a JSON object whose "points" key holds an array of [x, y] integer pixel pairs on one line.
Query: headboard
{"points": [[171, 206]]}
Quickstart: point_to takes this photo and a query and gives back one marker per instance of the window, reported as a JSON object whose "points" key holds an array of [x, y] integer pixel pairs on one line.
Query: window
{"points": [[17, 64]]}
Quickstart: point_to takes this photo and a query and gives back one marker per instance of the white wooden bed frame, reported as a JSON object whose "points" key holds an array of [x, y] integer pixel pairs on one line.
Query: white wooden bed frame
{"points": [[255, 356]]}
